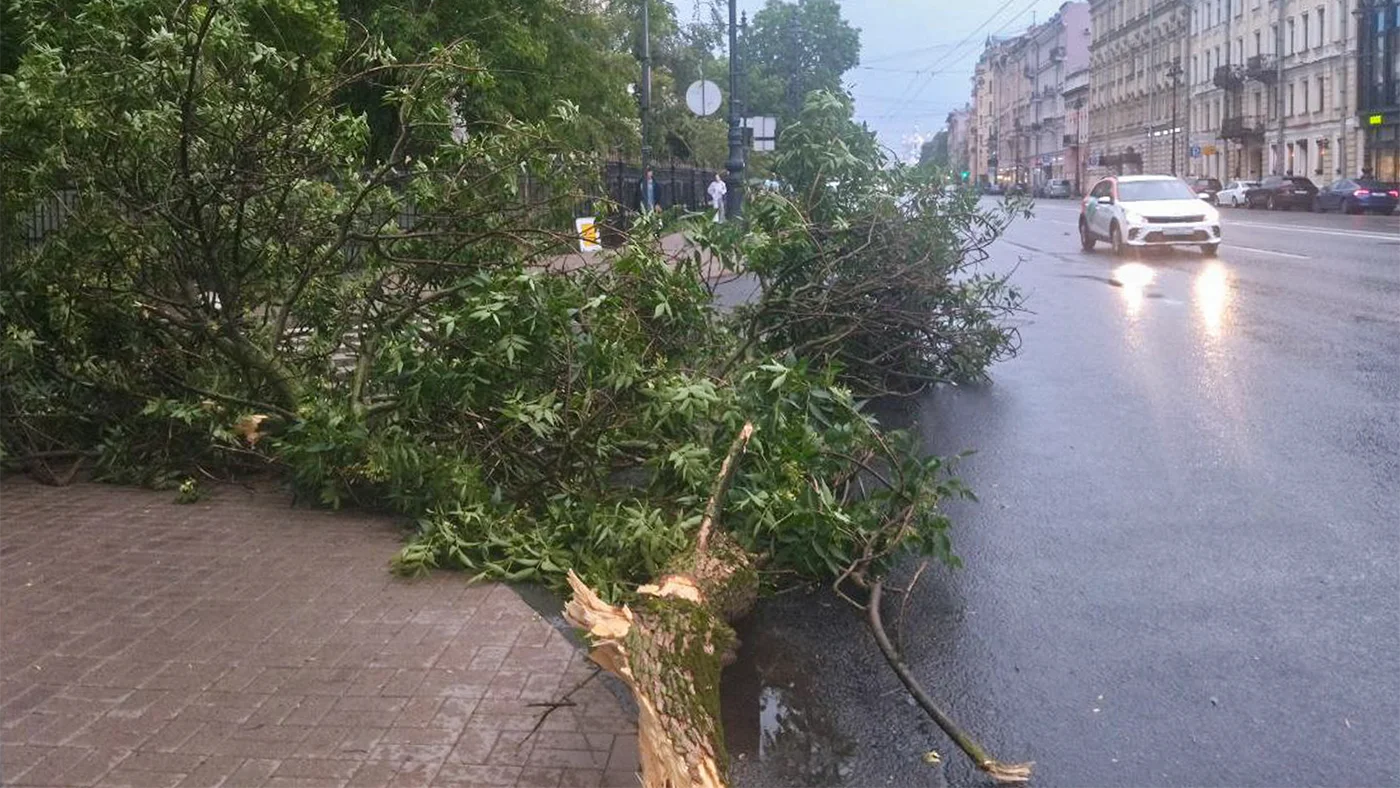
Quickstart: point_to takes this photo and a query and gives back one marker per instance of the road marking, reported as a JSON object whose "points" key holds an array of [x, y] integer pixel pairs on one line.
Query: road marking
{"points": [[1317, 230], [1268, 251]]}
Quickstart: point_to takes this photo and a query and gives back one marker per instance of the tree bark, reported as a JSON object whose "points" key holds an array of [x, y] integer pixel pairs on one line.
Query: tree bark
{"points": [[671, 647]]}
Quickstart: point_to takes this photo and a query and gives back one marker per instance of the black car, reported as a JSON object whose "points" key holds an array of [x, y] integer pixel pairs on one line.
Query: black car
{"points": [[1210, 187], [1282, 191]]}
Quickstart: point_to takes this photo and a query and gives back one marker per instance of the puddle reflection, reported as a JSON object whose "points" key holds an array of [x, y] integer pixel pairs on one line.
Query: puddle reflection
{"points": [[1134, 279], [1212, 289]]}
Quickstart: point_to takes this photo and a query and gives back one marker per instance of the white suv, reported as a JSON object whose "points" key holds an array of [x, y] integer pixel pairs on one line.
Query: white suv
{"points": [[1133, 211]]}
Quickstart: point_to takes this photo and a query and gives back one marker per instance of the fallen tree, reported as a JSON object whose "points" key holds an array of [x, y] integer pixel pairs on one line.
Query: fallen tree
{"points": [[234, 289]]}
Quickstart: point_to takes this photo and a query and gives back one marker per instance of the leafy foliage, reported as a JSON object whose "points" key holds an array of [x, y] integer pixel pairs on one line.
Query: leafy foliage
{"points": [[232, 287], [871, 266], [794, 49]]}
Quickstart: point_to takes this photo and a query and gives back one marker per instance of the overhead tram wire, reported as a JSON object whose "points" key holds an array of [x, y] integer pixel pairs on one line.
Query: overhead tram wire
{"points": [[931, 69], [1024, 9]]}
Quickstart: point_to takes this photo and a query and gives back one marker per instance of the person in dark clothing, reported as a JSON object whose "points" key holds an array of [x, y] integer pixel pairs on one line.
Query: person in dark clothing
{"points": [[647, 193]]}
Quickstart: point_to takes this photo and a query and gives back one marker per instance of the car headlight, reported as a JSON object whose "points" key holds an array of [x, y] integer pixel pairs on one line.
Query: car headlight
{"points": [[1133, 217]]}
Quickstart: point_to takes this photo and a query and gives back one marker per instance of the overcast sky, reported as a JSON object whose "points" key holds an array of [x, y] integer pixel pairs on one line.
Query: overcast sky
{"points": [[916, 55]]}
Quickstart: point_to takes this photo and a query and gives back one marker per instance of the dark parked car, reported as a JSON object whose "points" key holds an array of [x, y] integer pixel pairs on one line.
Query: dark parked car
{"points": [[1209, 187], [1358, 195], [1282, 191]]}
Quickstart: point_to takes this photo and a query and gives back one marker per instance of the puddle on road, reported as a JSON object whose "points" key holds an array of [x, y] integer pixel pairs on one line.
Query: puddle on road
{"points": [[776, 728]]}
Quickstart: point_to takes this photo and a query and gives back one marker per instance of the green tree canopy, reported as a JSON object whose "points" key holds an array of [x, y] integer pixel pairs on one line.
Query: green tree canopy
{"points": [[793, 49], [934, 152]]}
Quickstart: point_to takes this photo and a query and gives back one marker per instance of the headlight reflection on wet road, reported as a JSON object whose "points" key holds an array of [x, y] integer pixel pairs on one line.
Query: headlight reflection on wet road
{"points": [[1212, 288], [1134, 279]]}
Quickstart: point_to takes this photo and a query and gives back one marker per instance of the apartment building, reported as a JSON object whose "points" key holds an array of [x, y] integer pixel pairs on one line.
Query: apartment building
{"points": [[1378, 68], [1053, 50], [1273, 88], [1075, 95], [1137, 108], [1017, 128], [958, 122]]}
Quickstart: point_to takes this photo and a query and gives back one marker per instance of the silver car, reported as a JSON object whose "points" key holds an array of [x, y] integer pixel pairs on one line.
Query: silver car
{"points": [[1059, 188]]}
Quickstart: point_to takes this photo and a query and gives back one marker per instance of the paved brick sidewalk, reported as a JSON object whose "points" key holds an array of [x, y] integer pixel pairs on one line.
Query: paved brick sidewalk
{"points": [[241, 642]]}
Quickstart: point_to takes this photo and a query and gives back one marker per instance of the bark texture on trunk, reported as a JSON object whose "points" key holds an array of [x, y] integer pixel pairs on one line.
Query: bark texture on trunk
{"points": [[671, 648]]}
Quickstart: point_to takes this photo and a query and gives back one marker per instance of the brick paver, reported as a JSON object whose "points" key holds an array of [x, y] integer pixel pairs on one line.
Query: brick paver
{"points": [[241, 642]]}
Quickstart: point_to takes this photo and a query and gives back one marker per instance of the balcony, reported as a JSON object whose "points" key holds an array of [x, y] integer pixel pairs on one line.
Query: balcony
{"points": [[1262, 68], [1242, 128], [1229, 77], [1057, 54]]}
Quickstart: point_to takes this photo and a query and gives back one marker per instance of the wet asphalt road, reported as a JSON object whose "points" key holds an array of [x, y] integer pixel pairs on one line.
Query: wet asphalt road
{"points": [[1184, 569]]}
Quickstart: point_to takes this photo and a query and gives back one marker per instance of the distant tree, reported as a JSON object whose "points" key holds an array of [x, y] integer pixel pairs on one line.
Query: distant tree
{"points": [[538, 52], [13, 29], [934, 152], [793, 49]]}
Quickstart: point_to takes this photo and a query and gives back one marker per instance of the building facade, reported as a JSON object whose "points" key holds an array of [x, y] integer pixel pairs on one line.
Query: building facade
{"points": [[1018, 114], [1136, 109], [1273, 89], [1075, 95], [1378, 94], [958, 134]]}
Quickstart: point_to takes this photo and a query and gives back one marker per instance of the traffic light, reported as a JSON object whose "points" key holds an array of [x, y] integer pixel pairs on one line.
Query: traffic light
{"points": [[965, 173]]}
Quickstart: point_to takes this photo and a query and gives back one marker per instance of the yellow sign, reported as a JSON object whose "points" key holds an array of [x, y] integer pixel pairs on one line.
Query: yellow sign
{"points": [[1207, 150], [587, 229], [1376, 120]]}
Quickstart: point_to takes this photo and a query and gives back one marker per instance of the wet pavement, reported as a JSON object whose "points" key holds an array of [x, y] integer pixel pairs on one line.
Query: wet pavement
{"points": [[1184, 568]]}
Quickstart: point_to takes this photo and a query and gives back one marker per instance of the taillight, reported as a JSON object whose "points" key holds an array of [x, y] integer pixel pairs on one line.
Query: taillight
{"points": [[1394, 192], [1362, 192]]}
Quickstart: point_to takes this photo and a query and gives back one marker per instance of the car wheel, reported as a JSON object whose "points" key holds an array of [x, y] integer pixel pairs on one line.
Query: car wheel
{"points": [[1086, 238], [1235, 202], [1115, 239]]}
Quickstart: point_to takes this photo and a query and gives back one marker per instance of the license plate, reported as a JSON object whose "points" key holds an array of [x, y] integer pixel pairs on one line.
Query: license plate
{"points": [[1181, 232]]}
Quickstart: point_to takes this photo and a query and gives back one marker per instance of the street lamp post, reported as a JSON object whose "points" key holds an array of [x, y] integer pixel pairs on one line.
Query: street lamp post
{"points": [[1174, 71], [734, 178], [645, 96]]}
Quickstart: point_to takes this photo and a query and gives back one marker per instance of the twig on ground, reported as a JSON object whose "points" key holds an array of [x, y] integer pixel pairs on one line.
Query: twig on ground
{"points": [[904, 605], [564, 700], [1001, 772]]}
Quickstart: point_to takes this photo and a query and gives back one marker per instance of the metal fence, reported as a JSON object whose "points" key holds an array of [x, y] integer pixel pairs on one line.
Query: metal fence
{"points": [[677, 186]]}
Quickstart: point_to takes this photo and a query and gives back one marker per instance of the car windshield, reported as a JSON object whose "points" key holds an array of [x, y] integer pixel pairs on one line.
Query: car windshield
{"points": [[1302, 182], [1137, 191]]}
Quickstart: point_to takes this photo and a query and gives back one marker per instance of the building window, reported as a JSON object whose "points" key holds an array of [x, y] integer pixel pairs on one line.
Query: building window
{"points": [[1257, 50], [1258, 106], [1307, 103], [1307, 37], [1321, 96], [1289, 44], [1274, 44], [1342, 20], [1321, 26], [1289, 106]]}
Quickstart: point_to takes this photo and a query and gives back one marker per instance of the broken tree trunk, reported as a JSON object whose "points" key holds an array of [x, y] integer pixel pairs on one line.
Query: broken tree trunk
{"points": [[671, 647]]}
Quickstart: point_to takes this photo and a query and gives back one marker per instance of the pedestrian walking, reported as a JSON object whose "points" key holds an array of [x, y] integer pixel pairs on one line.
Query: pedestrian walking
{"points": [[646, 193], [717, 190]]}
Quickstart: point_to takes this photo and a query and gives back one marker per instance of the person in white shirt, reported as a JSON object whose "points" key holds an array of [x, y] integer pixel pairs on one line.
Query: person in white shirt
{"points": [[717, 190]]}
